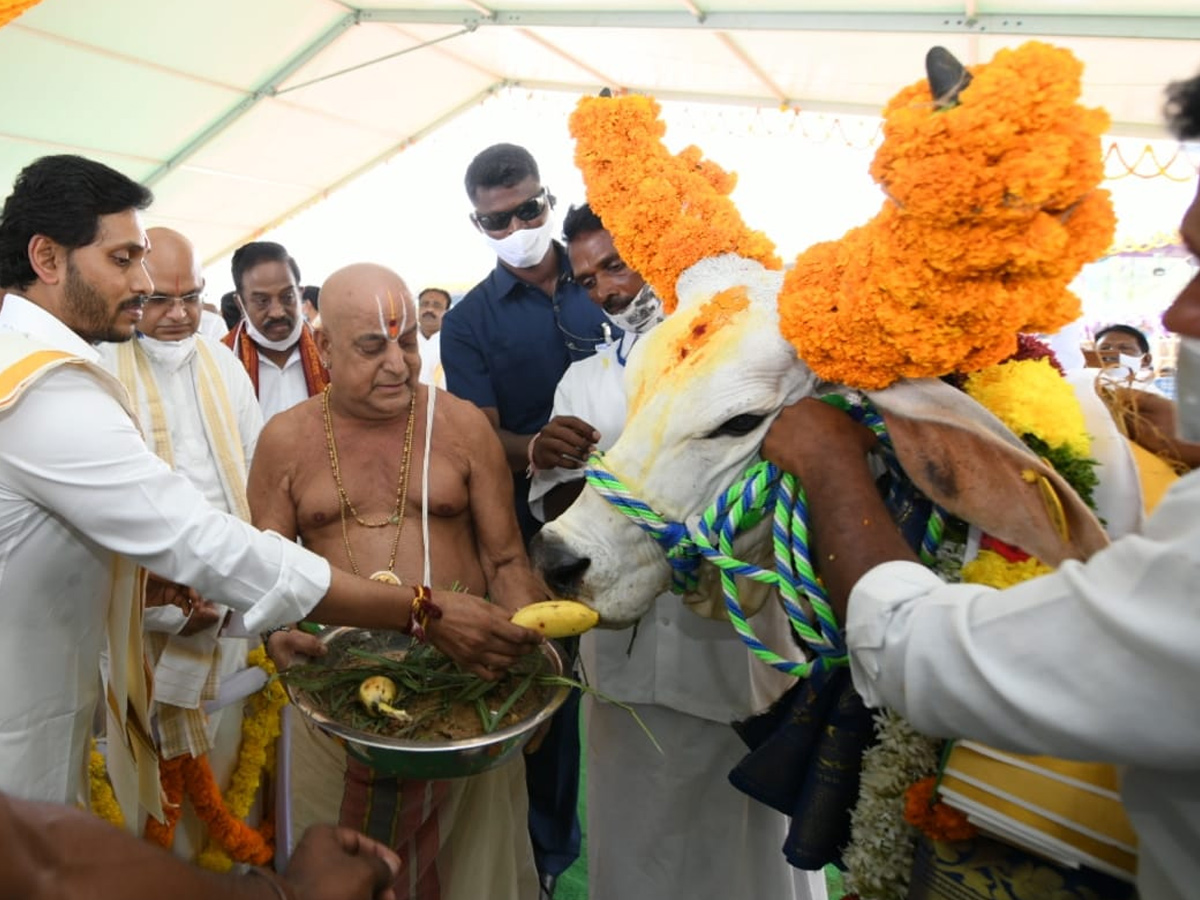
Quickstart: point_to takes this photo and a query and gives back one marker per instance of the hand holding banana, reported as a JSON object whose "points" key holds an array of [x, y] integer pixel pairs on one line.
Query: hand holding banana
{"points": [[556, 618]]}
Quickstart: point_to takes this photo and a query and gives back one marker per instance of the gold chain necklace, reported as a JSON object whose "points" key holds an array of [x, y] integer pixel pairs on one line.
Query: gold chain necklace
{"points": [[397, 518]]}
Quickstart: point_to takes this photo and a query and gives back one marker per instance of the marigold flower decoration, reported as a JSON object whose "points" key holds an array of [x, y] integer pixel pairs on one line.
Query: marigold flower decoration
{"points": [[992, 209], [229, 838], [665, 211]]}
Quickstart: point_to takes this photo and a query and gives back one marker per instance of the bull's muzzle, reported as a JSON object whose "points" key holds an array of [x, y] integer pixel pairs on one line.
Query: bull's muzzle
{"points": [[561, 568]]}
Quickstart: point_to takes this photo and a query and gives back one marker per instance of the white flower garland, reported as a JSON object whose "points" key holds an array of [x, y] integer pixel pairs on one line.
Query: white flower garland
{"points": [[879, 857]]}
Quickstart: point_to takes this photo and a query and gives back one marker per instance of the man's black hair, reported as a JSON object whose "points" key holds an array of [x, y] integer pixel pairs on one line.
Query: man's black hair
{"points": [[63, 198], [437, 290], [580, 220], [1143, 344], [1183, 109], [230, 311], [312, 293], [247, 256], [500, 165]]}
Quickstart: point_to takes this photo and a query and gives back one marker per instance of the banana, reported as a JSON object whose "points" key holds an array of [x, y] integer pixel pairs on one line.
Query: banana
{"points": [[377, 693], [557, 618]]}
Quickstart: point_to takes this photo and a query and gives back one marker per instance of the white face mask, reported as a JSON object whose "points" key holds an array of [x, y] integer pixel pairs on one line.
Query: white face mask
{"points": [[171, 355], [643, 312], [279, 346], [525, 247], [1187, 388], [1134, 364]]}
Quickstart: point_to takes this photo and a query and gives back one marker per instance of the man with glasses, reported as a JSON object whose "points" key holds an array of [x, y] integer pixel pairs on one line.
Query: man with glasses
{"points": [[199, 414], [273, 341], [505, 346]]}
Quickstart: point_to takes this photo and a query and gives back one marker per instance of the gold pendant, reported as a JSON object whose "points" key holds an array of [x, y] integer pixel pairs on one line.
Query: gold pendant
{"points": [[386, 577]]}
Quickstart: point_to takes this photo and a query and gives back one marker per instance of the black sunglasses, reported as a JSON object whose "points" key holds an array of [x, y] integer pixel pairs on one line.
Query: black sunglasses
{"points": [[526, 212]]}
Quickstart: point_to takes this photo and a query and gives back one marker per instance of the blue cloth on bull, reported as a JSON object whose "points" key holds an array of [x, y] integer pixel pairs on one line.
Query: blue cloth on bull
{"points": [[805, 760]]}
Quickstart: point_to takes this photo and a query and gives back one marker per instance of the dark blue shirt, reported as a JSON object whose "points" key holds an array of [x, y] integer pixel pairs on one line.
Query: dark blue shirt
{"points": [[506, 344]]}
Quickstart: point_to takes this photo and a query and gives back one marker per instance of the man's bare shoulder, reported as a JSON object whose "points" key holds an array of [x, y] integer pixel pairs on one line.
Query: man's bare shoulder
{"points": [[292, 428], [462, 415]]}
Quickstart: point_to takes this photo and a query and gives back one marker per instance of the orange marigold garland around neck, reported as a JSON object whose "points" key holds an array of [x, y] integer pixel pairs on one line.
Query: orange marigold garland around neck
{"points": [[665, 212]]}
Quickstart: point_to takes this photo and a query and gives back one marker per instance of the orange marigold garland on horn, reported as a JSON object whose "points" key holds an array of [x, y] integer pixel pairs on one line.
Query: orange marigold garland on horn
{"points": [[992, 209], [665, 212]]}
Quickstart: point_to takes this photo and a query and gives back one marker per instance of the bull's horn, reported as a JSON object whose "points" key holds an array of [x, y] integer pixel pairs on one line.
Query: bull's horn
{"points": [[947, 76]]}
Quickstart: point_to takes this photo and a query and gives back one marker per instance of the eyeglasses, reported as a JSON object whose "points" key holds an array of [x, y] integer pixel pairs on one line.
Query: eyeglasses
{"points": [[577, 343], [189, 301], [526, 212]]}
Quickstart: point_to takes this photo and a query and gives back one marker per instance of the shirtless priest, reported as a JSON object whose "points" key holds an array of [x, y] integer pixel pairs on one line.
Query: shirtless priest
{"points": [[346, 472]]}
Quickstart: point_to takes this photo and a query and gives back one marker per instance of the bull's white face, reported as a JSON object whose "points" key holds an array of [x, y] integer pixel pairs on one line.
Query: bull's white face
{"points": [[703, 388]]}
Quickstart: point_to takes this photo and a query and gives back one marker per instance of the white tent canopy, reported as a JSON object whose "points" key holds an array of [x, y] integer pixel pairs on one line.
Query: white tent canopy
{"points": [[238, 113]]}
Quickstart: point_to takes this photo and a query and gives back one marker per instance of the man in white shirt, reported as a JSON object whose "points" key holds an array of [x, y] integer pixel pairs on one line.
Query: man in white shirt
{"points": [[687, 677], [432, 304], [82, 500], [1096, 661], [200, 416], [273, 340]]}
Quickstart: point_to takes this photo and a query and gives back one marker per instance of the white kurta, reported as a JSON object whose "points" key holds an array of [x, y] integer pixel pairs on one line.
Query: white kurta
{"points": [[280, 388], [1097, 661], [212, 326], [176, 371], [77, 484], [430, 349], [657, 823]]}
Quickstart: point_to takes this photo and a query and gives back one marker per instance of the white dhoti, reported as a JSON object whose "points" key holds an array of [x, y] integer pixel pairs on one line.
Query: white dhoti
{"points": [[458, 839], [678, 828]]}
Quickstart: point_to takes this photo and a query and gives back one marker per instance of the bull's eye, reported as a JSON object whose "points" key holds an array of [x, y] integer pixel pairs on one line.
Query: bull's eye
{"points": [[738, 426]]}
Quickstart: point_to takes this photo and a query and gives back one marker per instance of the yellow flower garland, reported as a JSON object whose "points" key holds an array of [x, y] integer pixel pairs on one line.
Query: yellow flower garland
{"points": [[1031, 397], [101, 799], [260, 728], [665, 212], [992, 569]]}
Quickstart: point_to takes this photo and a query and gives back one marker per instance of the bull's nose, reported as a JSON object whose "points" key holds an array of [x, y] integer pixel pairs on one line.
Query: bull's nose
{"points": [[561, 568]]}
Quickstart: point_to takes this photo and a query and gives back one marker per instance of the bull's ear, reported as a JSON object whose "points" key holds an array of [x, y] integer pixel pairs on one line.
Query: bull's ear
{"points": [[968, 462]]}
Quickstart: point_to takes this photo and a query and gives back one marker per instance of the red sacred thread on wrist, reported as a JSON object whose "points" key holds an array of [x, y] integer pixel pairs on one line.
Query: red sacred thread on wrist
{"points": [[422, 612]]}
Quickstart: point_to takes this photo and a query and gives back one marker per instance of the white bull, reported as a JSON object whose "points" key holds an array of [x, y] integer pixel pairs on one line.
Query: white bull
{"points": [[703, 388]]}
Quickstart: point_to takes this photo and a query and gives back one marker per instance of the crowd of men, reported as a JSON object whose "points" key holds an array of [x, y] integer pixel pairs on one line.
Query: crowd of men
{"points": [[173, 492]]}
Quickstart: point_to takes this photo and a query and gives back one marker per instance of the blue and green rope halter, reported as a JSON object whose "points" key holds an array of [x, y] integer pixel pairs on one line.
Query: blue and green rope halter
{"points": [[763, 490]]}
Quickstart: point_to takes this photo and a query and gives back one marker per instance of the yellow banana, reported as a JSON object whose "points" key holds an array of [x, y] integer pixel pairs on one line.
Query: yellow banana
{"points": [[557, 618]]}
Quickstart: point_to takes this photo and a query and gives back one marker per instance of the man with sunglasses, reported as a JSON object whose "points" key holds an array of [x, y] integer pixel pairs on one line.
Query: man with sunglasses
{"points": [[199, 414], [505, 346]]}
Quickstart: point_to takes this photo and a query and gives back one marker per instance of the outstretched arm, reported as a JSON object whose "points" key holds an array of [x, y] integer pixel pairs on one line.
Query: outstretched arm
{"points": [[52, 852], [852, 531]]}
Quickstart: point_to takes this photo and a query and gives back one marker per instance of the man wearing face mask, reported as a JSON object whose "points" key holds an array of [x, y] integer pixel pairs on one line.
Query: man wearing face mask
{"points": [[200, 416], [273, 340], [1142, 411], [507, 343], [687, 677], [1107, 647], [505, 346]]}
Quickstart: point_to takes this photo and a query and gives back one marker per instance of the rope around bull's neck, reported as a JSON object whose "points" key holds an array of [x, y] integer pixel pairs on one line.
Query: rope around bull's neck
{"points": [[744, 505]]}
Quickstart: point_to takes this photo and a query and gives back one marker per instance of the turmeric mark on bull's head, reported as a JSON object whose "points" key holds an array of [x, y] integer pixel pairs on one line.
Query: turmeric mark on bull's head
{"points": [[709, 319]]}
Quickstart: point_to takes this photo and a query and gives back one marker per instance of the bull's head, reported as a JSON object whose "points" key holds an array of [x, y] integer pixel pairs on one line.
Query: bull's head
{"points": [[992, 208], [703, 388]]}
